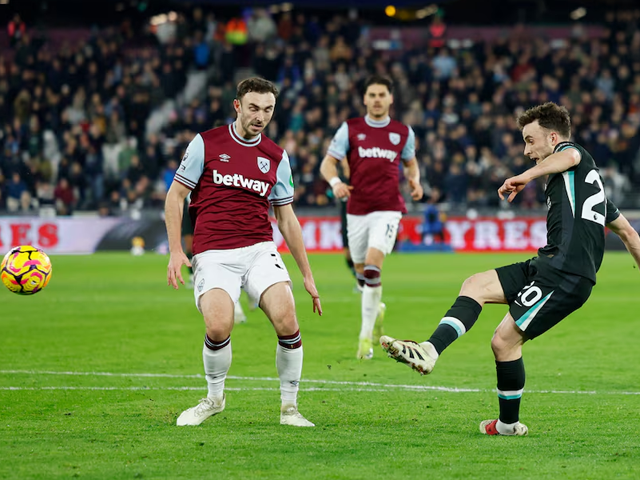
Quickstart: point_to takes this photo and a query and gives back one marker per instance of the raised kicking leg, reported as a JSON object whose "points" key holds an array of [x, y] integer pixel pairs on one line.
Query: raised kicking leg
{"points": [[476, 290]]}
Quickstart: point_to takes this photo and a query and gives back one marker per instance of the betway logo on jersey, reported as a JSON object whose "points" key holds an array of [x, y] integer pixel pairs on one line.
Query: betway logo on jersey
{"points": [[377, 153], [239, 180]]}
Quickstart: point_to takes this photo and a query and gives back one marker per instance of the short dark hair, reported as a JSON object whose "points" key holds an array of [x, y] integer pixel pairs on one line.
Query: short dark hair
{"points": [[257, 85], [378, 80], [549, 116]]}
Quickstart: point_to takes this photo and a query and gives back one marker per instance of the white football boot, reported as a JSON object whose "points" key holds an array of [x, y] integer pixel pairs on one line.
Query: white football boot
{"points": [[289, 415], [365, 349], [198, 414], [419, 356], [489, 427]]}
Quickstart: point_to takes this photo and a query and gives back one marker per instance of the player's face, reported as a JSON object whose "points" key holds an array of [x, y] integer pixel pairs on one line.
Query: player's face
{"points": [[378, 100], [539, 142], [254, 112]]}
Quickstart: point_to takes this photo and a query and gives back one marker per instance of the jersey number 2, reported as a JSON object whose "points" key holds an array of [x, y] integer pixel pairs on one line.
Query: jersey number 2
{"points": [[588, 213]]}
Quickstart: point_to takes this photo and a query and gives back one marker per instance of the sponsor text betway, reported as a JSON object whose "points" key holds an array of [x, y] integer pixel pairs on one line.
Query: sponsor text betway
{"points": [[376, 152], [239, 180]]}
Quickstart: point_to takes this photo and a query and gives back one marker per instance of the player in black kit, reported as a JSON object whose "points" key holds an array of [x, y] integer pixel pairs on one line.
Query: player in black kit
{"points": [[542, 291]]}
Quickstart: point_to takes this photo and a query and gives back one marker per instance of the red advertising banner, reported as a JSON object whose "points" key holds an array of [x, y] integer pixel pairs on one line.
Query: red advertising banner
{"points": [[487, 234], [320, 234], [323, 234]]}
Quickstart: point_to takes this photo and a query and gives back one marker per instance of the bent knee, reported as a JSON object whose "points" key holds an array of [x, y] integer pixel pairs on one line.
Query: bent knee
{"points": [[483, 287], [498, 344], [474, 285], [507, 342], [287, 324], [218, 331]]}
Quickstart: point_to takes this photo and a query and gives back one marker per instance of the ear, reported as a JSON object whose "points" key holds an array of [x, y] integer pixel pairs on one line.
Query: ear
{"points": [[236, 105]]}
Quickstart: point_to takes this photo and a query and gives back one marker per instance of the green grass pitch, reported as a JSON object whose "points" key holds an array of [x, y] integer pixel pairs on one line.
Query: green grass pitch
{"points": [[131, 350]]}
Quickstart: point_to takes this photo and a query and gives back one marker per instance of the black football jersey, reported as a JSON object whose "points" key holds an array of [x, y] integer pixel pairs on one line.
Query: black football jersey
{"points": [[578, 212]]}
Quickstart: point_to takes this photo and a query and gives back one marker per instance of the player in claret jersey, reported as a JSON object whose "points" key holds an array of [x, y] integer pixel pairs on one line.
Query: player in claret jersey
{"points": [[374, 145], [234, 173], [544, 290]]}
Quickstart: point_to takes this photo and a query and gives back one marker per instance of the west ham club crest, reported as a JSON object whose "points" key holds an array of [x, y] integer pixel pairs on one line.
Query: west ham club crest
{"points": [[264, 164]]}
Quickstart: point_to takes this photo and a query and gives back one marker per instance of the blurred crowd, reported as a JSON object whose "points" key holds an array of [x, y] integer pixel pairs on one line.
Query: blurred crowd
{"points": [[74, 133]]}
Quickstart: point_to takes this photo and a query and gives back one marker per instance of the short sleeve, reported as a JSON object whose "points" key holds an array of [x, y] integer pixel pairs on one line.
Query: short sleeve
{"points": [[612, 212], [409, 150], [282, 191], [340, 143], [192, 165]]}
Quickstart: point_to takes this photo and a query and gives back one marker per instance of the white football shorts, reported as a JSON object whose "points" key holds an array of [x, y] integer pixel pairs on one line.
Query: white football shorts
{"points": [[373, 230], [254, 268]]}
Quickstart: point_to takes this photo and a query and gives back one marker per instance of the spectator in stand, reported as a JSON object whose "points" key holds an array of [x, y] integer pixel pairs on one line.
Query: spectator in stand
{"points": [[15, 189], [64, 197], [16, 29]]}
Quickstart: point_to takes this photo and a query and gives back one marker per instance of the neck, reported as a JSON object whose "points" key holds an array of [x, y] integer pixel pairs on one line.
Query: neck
{"points": [[560, 140], [241, 131], [378, 118], [378, 122]]}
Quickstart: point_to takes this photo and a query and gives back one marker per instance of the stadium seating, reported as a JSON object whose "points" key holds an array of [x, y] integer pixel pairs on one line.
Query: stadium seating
{"points": [[97, 119]]}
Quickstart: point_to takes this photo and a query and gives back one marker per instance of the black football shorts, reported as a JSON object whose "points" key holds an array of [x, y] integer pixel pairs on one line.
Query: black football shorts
{"points": [[540, 296]]}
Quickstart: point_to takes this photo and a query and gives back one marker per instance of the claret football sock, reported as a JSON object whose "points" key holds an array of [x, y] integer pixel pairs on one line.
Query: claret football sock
{"points": [[457, 321]]}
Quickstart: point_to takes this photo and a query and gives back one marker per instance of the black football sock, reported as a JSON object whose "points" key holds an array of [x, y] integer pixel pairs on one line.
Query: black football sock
{"points": [[457, 321], [511, 379]]}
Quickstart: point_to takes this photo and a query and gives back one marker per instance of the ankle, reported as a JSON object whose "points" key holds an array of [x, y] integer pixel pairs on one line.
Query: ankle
{"points": [[215, 396], [505, 428], [430, 349]]}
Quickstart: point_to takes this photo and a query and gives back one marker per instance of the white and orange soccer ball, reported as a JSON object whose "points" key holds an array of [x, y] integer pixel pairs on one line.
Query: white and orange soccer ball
{"points": [[25, 270]]}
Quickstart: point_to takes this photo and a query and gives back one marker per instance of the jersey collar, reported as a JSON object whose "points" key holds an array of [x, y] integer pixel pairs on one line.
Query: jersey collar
{"points": [[242, 141], [377, 123]]}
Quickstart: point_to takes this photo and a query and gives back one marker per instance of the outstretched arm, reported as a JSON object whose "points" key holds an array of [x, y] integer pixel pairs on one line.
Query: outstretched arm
{"points": [[290, 229], [554, 163], [621, 227]]}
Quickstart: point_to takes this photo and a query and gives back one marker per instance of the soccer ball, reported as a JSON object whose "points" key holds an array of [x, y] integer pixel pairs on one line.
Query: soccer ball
{"points": [[25, 270]]}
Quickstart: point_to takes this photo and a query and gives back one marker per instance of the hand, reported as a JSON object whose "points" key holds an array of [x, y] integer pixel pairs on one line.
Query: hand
{"points": [[512, 186], [342, 190], [176, 260], [310, 286], [416, 190]]}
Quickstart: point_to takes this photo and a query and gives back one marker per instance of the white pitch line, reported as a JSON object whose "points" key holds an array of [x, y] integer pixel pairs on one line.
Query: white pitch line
{"points": [[204, 388], [250, 379], [100, 374], [370, 386]]}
